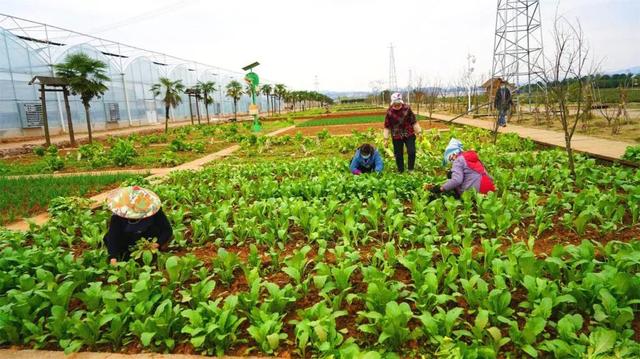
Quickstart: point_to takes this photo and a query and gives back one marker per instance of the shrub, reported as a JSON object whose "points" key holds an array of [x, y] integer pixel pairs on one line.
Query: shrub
{"points": [[154, 138], [169, 159], [178, 145], [251, 139], [122, 153], [198, 147], [54, 162], [39, 151], [324, 134], [632, 154], [94, 153], [137, 180]]}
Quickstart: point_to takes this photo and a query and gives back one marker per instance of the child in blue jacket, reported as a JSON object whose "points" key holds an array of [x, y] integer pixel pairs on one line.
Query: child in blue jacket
{"points": [[366, 160]]}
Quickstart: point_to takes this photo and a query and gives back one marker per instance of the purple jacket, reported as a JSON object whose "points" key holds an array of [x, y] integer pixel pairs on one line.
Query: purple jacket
{"points": [[462, 177]]}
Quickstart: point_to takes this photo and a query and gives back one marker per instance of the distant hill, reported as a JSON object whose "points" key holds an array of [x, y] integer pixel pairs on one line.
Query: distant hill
{"points": [[631, 70], [346, 94]]}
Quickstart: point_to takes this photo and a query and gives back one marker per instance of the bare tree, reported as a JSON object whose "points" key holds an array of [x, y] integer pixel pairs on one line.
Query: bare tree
{"points": [[432, 93], [623, 92], [588, 94], [568, 64], [418, 93], [608, 111]]}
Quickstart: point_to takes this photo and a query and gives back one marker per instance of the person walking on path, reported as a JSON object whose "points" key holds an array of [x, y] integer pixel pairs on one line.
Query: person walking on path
{"points": [[401, 125], [503, 103], [366, 160], [467, 172], [137, 214]]}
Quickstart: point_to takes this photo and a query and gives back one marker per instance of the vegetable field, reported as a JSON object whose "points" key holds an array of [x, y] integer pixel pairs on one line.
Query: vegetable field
{"points": [[158, 150], [24, 197], [344, 120], [278, 250]]}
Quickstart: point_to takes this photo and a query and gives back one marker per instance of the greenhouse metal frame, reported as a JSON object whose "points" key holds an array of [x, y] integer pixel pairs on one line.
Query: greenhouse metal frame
{"points": [[30, 48]]}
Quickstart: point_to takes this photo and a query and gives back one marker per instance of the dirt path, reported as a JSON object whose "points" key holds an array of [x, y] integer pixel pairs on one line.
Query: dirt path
{"points": [[348, 129], [156, 175]]}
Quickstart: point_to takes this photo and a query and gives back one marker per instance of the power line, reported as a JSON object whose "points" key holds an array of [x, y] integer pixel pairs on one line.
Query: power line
{"points": [[147, 15]]}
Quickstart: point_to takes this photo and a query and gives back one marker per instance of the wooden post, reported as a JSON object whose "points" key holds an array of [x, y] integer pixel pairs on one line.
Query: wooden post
{"points": [[45, 121], [67, 109], [190, 110], [197, 108]]}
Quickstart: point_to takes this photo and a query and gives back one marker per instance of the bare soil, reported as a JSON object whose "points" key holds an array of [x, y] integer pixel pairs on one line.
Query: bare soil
{"points": [[336, 115]]}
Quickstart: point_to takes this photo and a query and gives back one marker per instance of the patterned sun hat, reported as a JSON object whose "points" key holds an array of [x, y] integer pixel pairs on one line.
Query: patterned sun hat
{"points": [[396, 98], [133, 202]]}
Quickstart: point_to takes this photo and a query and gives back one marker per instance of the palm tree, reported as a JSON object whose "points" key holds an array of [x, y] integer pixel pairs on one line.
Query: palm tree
{"points": [[280, 90], [86, 77], [234, 90], [206, 88], [172, 91], [266, 90]]}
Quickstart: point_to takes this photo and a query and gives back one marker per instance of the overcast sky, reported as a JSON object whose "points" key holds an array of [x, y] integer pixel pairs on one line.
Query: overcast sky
{"points": [[344, 42]]}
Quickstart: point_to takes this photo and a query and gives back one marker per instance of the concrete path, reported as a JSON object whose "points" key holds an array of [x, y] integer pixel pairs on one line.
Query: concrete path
{"points": [[48, 354], [156, 174], [598, 147]]}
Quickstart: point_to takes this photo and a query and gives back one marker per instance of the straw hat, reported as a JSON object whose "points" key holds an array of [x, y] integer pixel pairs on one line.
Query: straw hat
{"points": [[133, 202]]}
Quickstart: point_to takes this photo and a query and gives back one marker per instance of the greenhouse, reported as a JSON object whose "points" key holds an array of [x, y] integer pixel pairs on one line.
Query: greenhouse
{"points": [[29, 49]]}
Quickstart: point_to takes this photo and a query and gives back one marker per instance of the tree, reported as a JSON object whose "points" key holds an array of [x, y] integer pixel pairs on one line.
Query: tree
{"points": [[206, 88], [86, 77], [280, 91], [234, 90], [569, 61], [266, 90], [431, 94], [171, 98]]}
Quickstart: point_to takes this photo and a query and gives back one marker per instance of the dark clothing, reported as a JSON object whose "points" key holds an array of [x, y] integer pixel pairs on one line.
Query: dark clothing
{"points": [[436, 192], [400, 122], [364, 170], [123, 234], [398, 152], [502, 117], [503, 100]]}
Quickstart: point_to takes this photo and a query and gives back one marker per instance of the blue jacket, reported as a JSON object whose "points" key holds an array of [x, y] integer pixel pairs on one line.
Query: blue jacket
{"points": [[359, 163]]}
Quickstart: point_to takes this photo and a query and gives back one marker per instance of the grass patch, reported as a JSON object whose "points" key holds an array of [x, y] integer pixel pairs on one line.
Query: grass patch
{"points": [[25, 197]]}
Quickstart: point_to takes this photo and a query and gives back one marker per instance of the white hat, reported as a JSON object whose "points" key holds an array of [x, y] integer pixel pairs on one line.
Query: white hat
{"points": [[396, 98]]}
